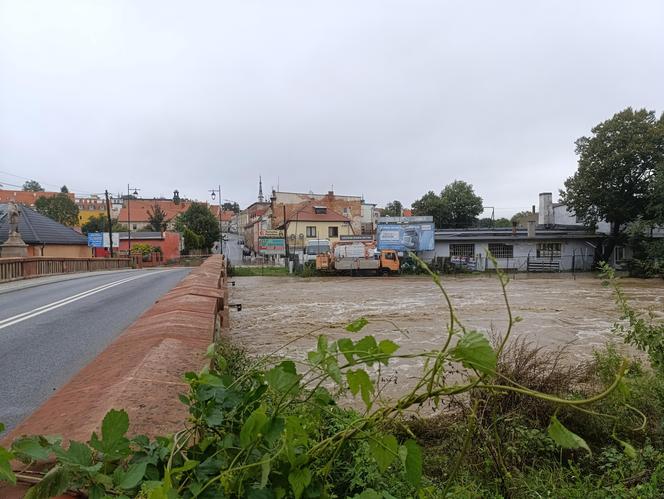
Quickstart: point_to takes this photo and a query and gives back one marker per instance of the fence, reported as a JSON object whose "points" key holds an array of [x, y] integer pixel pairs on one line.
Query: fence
{"points": [[22, 268], [563, 263]]}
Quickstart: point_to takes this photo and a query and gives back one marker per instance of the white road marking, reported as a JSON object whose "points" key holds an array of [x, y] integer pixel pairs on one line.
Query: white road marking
{"points": [[10, 321]]}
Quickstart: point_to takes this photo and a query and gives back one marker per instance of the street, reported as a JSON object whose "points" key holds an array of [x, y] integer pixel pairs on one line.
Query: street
{"points": [[232, 249], [50, 331]]}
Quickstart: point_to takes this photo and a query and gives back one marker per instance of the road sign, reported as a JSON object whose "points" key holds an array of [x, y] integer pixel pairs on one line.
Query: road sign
{"points": [[272, 246], [271, 233], [95, 240]]}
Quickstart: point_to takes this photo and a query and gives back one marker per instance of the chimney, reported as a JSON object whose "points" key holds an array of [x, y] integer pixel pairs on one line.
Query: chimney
{"points": [[531, 229], [546, 209], [514, 224], [533, 209]]}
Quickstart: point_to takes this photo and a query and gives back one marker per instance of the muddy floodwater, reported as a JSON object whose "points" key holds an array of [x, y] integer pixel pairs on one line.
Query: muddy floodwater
{"points": [[556, 310]]}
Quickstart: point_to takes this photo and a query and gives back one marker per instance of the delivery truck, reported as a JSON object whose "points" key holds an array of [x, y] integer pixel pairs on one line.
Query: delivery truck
{"points": [[358, 258]]}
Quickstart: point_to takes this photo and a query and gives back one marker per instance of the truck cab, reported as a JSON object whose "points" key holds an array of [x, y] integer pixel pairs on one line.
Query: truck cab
{"points": [[389, 262]]}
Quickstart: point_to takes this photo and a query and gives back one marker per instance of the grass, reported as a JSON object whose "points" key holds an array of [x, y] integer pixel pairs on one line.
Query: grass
{"points": [[259, 271]]}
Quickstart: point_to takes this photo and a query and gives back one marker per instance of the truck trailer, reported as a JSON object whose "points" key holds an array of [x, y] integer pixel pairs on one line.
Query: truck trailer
{"points": [[357, 258]]}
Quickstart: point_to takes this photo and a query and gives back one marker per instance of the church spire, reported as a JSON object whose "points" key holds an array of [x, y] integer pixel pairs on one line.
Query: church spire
{"points": [[260, 190]]}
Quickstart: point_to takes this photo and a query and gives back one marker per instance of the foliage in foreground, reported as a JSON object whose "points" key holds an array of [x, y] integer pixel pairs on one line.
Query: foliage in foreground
{"points": [[269, 427]]}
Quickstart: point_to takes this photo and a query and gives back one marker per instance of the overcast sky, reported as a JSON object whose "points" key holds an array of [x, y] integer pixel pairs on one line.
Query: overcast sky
{"points": [[382, 98]]}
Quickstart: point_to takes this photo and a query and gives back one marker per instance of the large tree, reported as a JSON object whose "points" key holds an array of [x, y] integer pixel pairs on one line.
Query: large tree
{"points": [[33, 186], [615, 177], [60, 208], [157, 218], [199, 219], [457, 206], [99, 223], [231, 206], [393, 209]]}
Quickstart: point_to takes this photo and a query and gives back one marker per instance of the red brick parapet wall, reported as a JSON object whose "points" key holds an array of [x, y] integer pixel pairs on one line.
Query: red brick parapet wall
{"points": [[141, 371]]}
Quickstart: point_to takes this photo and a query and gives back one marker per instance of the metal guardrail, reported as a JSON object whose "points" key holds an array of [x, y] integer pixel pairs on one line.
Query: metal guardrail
{"points": [[12, 269]]}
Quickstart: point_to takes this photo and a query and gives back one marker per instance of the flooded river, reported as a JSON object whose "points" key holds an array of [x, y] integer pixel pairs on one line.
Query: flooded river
{"points": [[556, 310]]}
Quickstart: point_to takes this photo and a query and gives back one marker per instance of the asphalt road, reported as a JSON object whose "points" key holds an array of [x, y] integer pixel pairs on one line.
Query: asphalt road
{"points": [[232, 249], [50, 331]]}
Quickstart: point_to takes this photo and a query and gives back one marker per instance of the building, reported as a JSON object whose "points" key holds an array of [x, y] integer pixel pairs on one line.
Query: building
{"points": [[309, 221], [28, 198], [44, 236], [88, 207], [169, 242], [136, 212], [252, 220], [227, 217]]}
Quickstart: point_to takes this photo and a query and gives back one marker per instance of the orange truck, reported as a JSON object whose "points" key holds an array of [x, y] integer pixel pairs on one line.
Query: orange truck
{"points": [[358, 257]]}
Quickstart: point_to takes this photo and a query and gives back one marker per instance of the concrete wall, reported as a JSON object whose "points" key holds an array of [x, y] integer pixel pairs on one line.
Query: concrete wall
{"points": [[61, 251]]}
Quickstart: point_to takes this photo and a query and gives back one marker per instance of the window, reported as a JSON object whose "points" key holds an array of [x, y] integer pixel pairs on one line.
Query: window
{"points": [[619, 253], [548, 250], [311, 231], [390, 256], [134, 227], [333, 232], [501, 250], [467, 250], [320, 210], [347, 212]]}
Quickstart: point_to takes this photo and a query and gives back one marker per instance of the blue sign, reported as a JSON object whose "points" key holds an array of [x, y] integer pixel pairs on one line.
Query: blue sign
{"points": [[95, 239], [405, 237]]}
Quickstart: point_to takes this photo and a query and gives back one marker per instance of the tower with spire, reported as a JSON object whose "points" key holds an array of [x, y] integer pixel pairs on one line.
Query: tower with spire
{"points": [[260, 190]]}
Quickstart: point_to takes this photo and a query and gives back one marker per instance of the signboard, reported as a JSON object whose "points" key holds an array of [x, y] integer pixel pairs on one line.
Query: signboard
{"points": [[271, 233], [355, 238], [465, 262], [272, 246], [95, 240], [406, 220], [405, 237], [100, 240]]}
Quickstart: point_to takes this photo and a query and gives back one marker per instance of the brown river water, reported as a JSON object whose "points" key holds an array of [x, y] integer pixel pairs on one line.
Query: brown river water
{"points": [[556, 310]]}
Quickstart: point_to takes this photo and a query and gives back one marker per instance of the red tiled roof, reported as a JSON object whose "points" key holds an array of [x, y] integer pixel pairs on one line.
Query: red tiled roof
{"points": [[226, 215], [27, 197], [141, 207], [305, 212], [407, 212]]}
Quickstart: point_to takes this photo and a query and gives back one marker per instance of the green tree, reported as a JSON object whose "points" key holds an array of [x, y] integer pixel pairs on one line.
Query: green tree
{"points": [[231, 206], [490, 223], [157, 218], [60, 208], [33, 186], [99, 223], [64, 189], [199, 219], [393, 209], [521, 218], [617, 167], [457, 206]]}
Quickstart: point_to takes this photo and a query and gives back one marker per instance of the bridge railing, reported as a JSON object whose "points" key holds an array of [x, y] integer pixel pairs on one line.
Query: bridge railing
{"points": [[22, 268]]}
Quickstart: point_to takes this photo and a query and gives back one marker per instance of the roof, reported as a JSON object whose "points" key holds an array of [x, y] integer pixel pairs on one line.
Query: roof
{"points": [[36, 228], [136, 235], [305, 212], [226, 215], [505, 234], [140, 208], [27, 197]]}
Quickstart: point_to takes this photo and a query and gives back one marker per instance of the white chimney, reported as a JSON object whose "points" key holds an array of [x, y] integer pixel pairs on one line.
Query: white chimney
{"points": [[546, 209], [531, 229]]}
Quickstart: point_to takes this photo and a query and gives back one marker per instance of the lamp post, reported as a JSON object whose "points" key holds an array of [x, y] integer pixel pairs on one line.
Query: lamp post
{"points": [[129, 216], [213, 194]]}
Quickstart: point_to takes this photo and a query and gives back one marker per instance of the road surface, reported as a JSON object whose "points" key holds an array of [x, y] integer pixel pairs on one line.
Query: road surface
{"points": [[232, 249], [50, 331]]}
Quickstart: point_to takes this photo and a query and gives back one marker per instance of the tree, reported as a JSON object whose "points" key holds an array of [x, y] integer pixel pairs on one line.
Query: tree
{"points": [[199, 219], [99, 223], [457, 206], [491, 223], [157, 218], [521, 218], [64, 189], [393, 209], [60, 208], [615, 177], [33, 186], [231, 206]]}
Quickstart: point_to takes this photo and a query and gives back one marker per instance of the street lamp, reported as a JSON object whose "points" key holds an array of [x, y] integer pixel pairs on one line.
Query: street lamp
{"points": [[213, 195], [129, 215]]}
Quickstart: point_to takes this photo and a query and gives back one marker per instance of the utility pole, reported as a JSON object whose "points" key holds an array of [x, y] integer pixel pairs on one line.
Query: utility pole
{"points": [[129, 216], [110, 223], [285, 234]]}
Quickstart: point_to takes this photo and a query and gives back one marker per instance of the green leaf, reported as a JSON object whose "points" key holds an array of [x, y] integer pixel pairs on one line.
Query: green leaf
{"points": [[265, 470], [359, 381], [2, 427], [6, 473], [252, 427], [54, 483], [413, 463], [210, 351], [357, 325], [628, 449], [127, 480], [113, 442], [211, 380], [565, 438], [346, 347], [283, 377], [474, 351], [388, 347], [77, 454], [30, 448], [332, 368], [384, 450], [368, 494], [299, 480]]}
